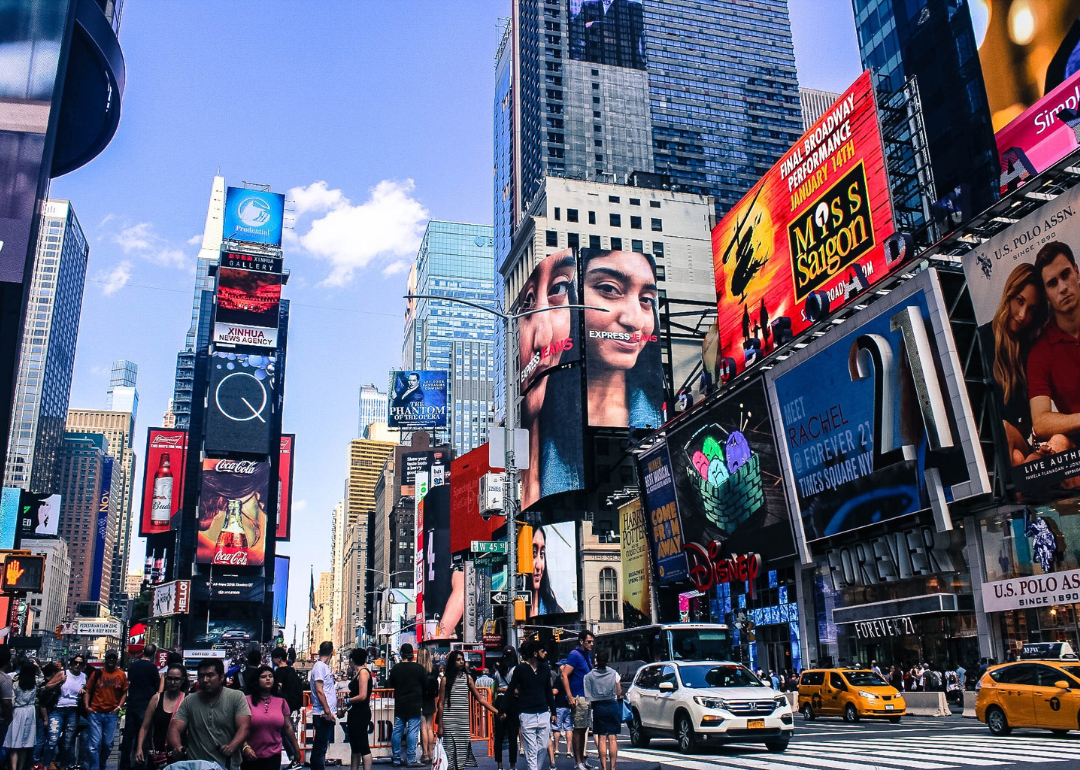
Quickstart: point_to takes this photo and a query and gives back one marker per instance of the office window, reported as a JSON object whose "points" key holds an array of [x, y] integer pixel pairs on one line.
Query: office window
{"points": [[657, 225], [615, 220], [596, 86], [658, 249], [635, 201], [557, 213], [661, 273], [636, 245], [596, 100], [592, 217], [596, 113], [595, 73], [598, 142], [594, 242], [572, 240], [654, 204], [613, 199], [599, 159], [552, 238], [596, 129], [635, 223], [571, 215], [616, 244], [609, 595]]}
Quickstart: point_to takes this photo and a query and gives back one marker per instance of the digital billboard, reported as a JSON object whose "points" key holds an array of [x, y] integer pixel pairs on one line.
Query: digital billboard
{"points": [[247, 308], [624, 366], [281, 589], [40, 515], [872, 419], [1025, 289], [554, 584], [240, 403], [101, 529], [611, 32], [662, 522], [808, 237], [417, 400], [433, 462], [465, 474], [163, 479], [253, 216], [248, 260], [1045, 133], [444, 578], [636, 570], [285, 483], [549, 380], [9, 516], [232, 513]]}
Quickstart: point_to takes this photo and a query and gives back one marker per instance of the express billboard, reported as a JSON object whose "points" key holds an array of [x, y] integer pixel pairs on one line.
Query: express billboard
{"points": [[417, 400], [232, 513], [240, 403], [285, 484], [433, 463], [247, 308], [873, 420], [808, 237], [1025, 290], [623, 362], [253, 216], [163, 479], [465, 474]]}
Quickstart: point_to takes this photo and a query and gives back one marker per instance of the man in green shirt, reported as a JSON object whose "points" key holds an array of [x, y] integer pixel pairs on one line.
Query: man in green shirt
{"points": [[213, 724]]}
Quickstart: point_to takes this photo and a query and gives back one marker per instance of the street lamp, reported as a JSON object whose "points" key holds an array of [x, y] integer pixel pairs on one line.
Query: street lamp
{"points": [[510, 498]]}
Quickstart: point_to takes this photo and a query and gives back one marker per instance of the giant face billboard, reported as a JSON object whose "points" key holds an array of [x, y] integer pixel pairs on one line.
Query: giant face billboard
{"points": [[417, 400], [232, 513], [247, 308], [285, 482], [240, 403], [808, 237], [163, 479], [1025, 289], [554, 584], [624, 367], [872, 419], [253, 216], [549, 378]]}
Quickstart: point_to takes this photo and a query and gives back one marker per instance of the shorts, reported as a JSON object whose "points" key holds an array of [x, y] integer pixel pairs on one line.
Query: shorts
{"points": [[581, 714], [563, 722]]}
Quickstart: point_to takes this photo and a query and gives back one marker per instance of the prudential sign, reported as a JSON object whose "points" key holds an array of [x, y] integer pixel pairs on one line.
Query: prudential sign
{"points": [[253, 216]]}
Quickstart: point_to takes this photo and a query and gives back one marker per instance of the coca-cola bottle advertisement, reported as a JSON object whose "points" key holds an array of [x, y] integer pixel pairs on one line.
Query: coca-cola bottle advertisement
{"points": [[232, 513]]}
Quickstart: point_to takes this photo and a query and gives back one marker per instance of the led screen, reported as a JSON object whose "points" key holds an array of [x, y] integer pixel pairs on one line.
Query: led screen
{"points": [[163, 479], [240, 403], [554, 585], [253, 216], [232, 513], [417, 400]]}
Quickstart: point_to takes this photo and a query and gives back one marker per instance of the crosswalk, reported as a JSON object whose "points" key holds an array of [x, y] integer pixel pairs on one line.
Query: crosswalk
{"points": [[948, 750]]}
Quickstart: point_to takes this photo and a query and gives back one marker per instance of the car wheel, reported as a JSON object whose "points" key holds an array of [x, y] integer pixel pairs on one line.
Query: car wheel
{"points": [[777, 745], [996, 721], [684, 734], [638, 738], [1060, 733], [807, 712], [851, 714], [895, 720]]}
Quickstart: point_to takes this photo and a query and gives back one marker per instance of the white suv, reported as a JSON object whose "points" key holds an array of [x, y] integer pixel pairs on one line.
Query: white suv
{"points": [[698, 701]]}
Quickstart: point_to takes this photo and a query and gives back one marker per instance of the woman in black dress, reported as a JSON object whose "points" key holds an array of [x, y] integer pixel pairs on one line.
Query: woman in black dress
{"points": [[359, 710], [159, 712]]}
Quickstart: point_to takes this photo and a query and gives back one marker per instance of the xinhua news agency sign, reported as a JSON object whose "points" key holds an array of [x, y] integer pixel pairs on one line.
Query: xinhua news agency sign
{"points": [[1036, 591]]}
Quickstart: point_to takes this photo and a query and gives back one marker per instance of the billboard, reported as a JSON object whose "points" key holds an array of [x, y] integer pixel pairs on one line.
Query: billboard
{"points": [[1044, 134], [281, 589], [173, 598], [240, 403], [9, 516], [417, 400], [243, 260], [808, 237], [285, 484], [444, 577], [40, 515], [1024, 288], [163, 479], [232, 513], [247, 308], [610, 33], [432, 462], [873, 420], [636, 570], [554, 584], [465, 474], [230, 586], [253, 216], [624, 367], [663, 523], [101, 529], [549, 380]]}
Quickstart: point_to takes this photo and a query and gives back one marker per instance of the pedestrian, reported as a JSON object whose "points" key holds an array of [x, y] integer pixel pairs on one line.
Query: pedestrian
{"points": [[211, 725], [507, 727], [604, 693], [774, 680], [487, 680], [159, 713], [564, 722], [106, 693], [22, 731], [961, 675], [360, 686], [896, 678], [323, 705], [292, 655], [875, 667], [407, 679], [429, 705], [48, 695], [455, 712], [248, 679], [269, 715], [143, 683], [64, 720], [6, 691], [530, 690], [578, 665], [289, 687]]}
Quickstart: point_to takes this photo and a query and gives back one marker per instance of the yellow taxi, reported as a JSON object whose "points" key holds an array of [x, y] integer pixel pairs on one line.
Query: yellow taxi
{"points": [[851, 693], [1041, 690]]}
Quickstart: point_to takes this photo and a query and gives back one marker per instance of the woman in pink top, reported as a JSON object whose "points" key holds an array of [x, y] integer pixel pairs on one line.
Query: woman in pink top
{"points": [[269, 715]]}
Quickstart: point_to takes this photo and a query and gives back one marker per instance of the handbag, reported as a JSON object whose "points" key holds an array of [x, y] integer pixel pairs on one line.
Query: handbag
{"points": [[627, 714], [438, 757]]}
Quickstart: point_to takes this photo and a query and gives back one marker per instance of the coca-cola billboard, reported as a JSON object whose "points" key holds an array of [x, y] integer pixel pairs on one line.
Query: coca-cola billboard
{"points": [[285, 474], [232, 513], [163, 479]]}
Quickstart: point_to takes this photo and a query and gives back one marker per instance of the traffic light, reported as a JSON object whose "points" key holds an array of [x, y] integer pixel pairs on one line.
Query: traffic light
{"points": [[23, 573], [525, 549]]}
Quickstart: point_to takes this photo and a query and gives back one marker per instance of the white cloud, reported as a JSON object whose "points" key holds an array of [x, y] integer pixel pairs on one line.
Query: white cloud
{"points": [[388, 225], [142, 240], [400, 266], [114, 280], [299, 506], [195, 240]]}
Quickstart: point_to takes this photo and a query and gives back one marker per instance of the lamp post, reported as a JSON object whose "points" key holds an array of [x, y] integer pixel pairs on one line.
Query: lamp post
{"points": [[510, 423]]}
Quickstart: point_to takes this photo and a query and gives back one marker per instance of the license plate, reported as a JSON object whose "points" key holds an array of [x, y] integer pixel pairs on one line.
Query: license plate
{"points": [[755, 724], [888, 707]]}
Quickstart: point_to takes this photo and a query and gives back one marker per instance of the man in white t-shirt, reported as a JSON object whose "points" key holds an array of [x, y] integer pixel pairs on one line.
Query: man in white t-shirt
{"points": [[64, 720], [323, 704]]}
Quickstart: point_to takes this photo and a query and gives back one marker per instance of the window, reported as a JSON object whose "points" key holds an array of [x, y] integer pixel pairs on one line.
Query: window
{"points": [[609, 594], [571, 215], [598, 142], [557, 212], [596, 113], [635, 223], [596, 86], [552, 238], [654, 204], [596, 100], [636, 245], [599, 159], [836, 681], [657, 225], [658, 248], [661, 273], [595, 73], [667, 674], [596, 129], [572, 240], [615, 220], [613, 199], [592, 217], [616, 244], [594, 242]]}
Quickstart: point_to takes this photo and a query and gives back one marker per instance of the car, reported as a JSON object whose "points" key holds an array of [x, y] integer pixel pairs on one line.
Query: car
{"points": [[235, 636], [1041, 690], [851, 693], [699, 702]]}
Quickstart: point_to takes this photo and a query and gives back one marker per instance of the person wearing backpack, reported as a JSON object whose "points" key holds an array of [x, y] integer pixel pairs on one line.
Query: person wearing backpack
{"points": [[288, 686], [106, 693], [428, 707]]}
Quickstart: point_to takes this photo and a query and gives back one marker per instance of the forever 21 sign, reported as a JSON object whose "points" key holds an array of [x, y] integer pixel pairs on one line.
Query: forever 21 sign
{"points": [[880, 629]]}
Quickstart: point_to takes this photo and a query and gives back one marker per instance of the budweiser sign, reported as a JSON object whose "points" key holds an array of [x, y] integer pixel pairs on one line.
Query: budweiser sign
{"points": [[243, 467], [166, 441]]}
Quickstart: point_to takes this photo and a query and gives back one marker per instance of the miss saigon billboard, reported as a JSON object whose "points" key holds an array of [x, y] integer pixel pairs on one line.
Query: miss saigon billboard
{"points": [[808, 237]]}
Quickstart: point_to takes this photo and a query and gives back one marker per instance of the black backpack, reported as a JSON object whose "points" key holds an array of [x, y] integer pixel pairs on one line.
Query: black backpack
{"points": [[431, 685], [291, 689]]}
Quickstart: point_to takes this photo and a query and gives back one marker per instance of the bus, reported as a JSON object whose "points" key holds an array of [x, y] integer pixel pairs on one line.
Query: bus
{"points": [[632, 648]]}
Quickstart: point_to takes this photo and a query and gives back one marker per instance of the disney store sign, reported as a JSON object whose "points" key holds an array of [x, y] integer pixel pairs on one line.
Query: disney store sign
{"points": [[1034, 591]]}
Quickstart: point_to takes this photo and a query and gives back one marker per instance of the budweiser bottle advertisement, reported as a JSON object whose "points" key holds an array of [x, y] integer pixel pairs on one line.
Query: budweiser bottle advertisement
{"points": [[161, 505], [159, 568], [232, 543]]}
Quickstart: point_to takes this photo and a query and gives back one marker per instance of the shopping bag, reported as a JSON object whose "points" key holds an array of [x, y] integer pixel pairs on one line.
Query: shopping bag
{"points": [[438, 757], [627, 714]]}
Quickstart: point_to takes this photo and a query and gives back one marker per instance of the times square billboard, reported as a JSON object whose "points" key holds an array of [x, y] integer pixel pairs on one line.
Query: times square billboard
{"points": [[808, 237], [253, 216]]}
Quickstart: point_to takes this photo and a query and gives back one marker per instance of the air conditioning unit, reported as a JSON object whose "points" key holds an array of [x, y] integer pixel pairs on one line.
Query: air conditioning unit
{"points": [[492, 488]]}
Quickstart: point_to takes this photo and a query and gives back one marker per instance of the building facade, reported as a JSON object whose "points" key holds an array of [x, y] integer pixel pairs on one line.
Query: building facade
{"points": [[814, 104], [51, 330], [373, 408], [50, 605]]}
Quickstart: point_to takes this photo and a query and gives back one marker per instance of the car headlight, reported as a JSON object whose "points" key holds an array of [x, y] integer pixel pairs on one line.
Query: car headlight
{"points": [[867, 695], [710, 703], [780, 701]]}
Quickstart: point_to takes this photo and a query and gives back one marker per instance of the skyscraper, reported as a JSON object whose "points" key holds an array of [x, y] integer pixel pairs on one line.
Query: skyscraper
{"points": [[456, 259], [373, 408], [814, 104], [50, 332], [121, 395]]}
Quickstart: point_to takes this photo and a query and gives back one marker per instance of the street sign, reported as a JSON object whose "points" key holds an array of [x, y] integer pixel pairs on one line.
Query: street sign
{"points": [[98, 628], [488, 546], [204, 654], [497, 448], [499, 597]]}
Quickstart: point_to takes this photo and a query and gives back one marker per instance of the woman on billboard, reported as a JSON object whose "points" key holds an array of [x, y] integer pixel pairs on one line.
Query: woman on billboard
{"points": [[543, 595], [625, 373], [550, 400]]}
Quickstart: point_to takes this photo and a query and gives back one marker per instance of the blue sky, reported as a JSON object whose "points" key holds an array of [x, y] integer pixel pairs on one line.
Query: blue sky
{"points": [[376, 116]]}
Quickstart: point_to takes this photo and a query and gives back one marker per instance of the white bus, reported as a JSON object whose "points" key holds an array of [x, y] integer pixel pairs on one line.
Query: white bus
{"points": [[632, 648]]}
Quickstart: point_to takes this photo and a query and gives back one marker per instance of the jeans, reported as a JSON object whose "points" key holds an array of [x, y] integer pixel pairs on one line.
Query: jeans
{"points": [[102, 735], [324, 728], [403, 726], [63, 725], [535, 736], [39, 741]]}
